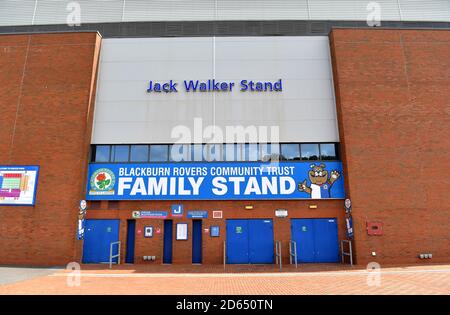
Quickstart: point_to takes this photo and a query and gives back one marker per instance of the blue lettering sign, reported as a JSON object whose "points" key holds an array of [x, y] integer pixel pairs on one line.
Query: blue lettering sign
{"points": [[197, 214], [177, 210], [214, 85], [150, 214]]}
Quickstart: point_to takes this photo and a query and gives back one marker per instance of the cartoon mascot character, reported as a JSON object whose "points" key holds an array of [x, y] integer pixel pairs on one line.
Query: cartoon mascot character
{"points": [[321, 182]]}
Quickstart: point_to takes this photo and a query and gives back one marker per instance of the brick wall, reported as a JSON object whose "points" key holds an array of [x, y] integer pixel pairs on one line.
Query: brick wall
{"points": [[213, 246], [392, 94], [47, 92], [393, 100]]}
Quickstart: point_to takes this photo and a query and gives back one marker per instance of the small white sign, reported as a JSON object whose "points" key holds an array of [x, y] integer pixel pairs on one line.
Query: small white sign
{"points": [[217, 214], [182, 231], [281, 213], [83, 205], [348, 203]]}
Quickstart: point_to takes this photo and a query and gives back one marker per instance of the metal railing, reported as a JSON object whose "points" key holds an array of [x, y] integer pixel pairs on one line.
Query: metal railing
{"points": [[224, 254], [111, 256], [278, 258], [293, 254], [349, 253]]}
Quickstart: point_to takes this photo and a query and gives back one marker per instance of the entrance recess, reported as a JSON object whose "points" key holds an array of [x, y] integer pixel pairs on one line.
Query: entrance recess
{"points": [[131, 232], [250, 241], [316, 239], [197, 241], [168, 232], [98, 236]]}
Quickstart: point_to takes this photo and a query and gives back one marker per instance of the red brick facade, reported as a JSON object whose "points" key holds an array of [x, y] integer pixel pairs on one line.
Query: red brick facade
{"points": [[392, 95], [393, 100], [47, 93], [213, 246]]}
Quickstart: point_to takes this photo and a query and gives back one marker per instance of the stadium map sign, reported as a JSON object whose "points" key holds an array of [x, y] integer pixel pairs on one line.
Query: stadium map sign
{"points": [[18, 185]]}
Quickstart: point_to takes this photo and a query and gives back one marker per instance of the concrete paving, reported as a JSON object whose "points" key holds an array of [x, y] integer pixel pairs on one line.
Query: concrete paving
{"points": [[237, 280], [10, 275]]}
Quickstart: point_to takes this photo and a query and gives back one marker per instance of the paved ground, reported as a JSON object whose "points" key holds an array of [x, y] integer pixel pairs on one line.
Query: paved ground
{"points": [[12, 275], [241, 280]]}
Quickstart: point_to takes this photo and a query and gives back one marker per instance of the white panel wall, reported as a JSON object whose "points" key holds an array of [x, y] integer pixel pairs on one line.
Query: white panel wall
{"points": [[22, 12], [126, 113]]}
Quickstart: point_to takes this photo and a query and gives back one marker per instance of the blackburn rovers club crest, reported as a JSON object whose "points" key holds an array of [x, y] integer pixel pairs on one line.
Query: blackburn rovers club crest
{"points": [[102, 182]]}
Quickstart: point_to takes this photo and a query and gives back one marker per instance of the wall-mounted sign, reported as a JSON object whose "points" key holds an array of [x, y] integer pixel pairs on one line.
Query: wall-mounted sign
{"points": [[150, 214], [215, 231], [197, 214], [217, 214], [148, 231], [83, 205], [182, 231], [215, 181], [18, 185], [177, 210], [348, 205], [81, 223], [213, 85], [281, 213], [349, 225]]}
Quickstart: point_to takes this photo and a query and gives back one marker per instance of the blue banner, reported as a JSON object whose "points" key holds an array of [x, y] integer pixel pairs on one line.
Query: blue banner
{"points": [[215, 181]]}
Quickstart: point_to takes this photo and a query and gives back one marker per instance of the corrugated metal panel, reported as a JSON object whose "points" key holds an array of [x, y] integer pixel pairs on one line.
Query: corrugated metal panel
{"points": [[20, 12], [351, 10], [305, 111], [169, 10], [16, 12], [425, 10], [262, 10], [57, 12]]}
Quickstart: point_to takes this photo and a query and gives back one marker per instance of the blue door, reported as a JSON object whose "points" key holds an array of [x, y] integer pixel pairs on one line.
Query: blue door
{"points": [[98, 236], [260, 241], [168, 230], [131, 232], [317, 240], [303, 234], [237, 242], [327, 244], [197, 241], [250, 241]]}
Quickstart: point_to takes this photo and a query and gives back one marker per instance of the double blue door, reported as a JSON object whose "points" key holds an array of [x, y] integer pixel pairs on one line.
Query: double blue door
{"points": [[250, 241], [317, 240], [98, 236]]}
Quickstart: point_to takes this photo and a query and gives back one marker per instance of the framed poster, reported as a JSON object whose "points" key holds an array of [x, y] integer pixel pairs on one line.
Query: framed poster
{"points": [[18, 185], [182, 231]]}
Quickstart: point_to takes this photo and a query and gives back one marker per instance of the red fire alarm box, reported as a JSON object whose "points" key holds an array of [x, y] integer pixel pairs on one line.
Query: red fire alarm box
{"points": [[374, 228]]}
